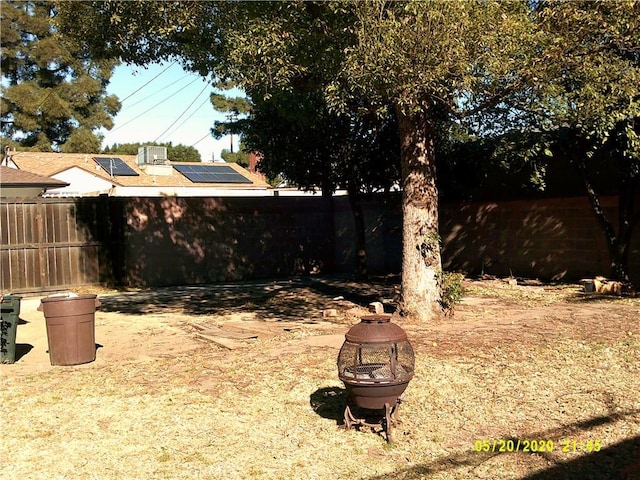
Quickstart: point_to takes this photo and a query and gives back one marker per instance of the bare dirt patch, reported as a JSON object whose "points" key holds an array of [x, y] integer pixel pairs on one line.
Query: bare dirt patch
{"points": [[515, 363]]}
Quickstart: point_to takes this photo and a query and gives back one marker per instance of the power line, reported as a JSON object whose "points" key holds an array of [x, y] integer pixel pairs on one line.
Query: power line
{"points": [[185, 111], [156, 92], [207, 135], [140, 88], [186, 119], [43, 100], [156, 105]]}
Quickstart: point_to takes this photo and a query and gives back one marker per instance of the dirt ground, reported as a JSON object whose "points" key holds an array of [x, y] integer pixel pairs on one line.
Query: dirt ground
{"points": [[253, 364], [141, 325]]}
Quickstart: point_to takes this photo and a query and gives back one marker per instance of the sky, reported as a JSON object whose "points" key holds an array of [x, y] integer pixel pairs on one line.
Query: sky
{"points": [[163, 103]]}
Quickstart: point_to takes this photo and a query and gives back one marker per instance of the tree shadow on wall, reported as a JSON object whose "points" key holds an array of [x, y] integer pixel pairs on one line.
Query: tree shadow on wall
{"points": [[143, 242], [535, 238]]}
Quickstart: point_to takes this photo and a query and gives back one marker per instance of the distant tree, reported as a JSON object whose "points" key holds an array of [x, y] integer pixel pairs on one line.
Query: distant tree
{"points": [[182, 153], [123, 148], [81, 140], [177, 153], [53, 96], [241, 157], [236, 110]]}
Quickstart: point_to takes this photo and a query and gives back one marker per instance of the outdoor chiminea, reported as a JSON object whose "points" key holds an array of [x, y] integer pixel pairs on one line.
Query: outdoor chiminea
{"points": [[375, 363]]}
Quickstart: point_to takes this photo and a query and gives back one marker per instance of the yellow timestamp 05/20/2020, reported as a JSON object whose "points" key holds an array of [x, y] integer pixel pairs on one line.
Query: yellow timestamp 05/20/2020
{"points": [[497, 445]]}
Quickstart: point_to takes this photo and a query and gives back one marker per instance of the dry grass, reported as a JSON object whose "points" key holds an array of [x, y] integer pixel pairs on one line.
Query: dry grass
{"points": [[256, 413]]}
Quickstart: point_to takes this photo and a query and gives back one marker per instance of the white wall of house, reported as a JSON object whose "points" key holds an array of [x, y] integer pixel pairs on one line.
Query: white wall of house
{"points": [[80, 183], [189, 192]]}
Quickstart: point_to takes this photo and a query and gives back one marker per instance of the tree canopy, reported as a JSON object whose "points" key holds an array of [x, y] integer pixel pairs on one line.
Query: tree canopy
{"points": [[53, 93], [596, 107], [424, 59], [488, 65], [585, 108]]}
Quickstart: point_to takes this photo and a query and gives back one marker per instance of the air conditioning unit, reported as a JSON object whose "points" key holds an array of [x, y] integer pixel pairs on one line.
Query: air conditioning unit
{"points": [[151, 155]]}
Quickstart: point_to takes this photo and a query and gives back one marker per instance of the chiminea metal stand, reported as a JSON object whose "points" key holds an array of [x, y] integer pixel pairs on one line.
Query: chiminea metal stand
{"points": [[385, 424], [375, 363]]}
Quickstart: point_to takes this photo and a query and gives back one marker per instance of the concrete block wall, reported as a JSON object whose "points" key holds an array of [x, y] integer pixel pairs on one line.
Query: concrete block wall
{"points": [[177, 241], [551, 239], [383, 230]]}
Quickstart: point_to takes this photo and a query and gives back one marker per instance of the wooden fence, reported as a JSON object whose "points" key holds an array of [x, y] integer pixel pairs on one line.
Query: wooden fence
{"points": [[42, 247]]}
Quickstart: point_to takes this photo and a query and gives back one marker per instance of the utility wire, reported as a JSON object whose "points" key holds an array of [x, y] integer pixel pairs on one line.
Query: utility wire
{"points": [[156, 92], [44, 99], [206, 85], [207, 135], [192, 114], [156, 105], [136, 91]]}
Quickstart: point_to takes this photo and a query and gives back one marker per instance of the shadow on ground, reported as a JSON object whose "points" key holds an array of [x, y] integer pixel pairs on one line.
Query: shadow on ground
{"points": [[329, 403], [288, 299], [22, 349], [620, 461]]}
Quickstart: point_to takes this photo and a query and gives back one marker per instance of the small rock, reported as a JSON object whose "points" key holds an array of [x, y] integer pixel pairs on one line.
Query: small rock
{"points": [[329, 312], [376, 307], [588, 286], [356, 312]]}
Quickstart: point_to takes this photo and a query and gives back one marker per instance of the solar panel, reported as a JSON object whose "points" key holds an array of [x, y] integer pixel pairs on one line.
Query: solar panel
{"points": [[115, 166], [211, 174]]}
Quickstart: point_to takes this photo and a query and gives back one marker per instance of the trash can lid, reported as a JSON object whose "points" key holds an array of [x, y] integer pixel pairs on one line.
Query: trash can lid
{"points": [[9, 297], [57, 297]]}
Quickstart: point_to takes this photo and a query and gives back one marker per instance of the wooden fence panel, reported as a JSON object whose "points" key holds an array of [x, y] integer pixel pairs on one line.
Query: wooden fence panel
{"points": [[43, 247]]}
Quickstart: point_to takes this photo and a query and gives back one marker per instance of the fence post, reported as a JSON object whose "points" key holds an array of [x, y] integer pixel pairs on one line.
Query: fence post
{"points": [[40, 240]]}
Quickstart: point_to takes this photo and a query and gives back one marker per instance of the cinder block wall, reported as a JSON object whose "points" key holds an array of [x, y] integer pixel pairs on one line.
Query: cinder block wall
{"points": [[177, 241], [383, 222], [552, 239]]}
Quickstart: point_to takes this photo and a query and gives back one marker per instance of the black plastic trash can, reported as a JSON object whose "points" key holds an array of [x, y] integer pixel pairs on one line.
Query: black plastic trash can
{"points": [[70, 328], [9, 316]]}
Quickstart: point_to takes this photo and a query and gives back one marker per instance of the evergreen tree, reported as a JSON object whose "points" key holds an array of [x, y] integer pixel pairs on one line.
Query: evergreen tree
{"points": [[53, 96], [235, 109], [241, 157]]}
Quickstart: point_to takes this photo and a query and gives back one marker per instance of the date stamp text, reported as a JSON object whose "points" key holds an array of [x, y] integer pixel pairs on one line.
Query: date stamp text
{"points": [[497, 445]]}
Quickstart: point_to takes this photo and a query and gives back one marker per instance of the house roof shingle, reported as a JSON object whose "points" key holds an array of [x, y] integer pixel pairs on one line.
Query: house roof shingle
{"points": [[49, 164], [12, 177]]}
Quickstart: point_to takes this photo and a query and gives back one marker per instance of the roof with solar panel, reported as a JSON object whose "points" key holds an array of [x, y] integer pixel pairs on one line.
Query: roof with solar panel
{"points": [[148, 172]]}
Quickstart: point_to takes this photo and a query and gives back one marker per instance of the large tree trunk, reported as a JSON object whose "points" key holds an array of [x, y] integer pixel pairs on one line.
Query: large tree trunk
{"points": [[421, 265]]}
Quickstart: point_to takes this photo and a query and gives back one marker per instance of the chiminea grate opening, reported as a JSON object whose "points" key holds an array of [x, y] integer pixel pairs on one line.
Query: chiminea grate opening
{"points": [[376, 363]]}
